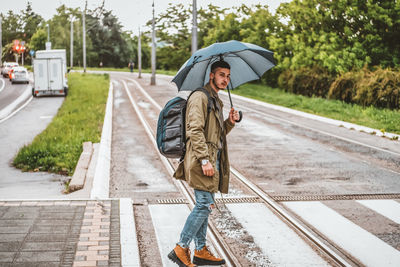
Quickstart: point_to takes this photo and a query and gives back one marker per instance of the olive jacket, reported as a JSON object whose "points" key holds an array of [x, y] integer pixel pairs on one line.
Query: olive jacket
{"points": [[205, 136]]}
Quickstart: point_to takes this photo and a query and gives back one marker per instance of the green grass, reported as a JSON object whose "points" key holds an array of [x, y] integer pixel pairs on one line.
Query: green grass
{"points": [[80, 119], [166, 72], [382, 119]]}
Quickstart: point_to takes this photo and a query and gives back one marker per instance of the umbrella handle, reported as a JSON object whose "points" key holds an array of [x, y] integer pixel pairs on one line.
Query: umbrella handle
{"points": [[240, 116]]}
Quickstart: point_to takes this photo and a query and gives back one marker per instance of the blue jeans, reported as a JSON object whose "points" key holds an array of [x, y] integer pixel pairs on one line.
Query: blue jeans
{"points": [[196, 224]]}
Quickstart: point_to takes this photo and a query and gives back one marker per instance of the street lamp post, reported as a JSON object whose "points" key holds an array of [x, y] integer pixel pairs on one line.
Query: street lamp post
{"points": [[48, 32], [153, 52], [1, 43], [194, 28], [139, 55], [84, 39], [71, 54]]}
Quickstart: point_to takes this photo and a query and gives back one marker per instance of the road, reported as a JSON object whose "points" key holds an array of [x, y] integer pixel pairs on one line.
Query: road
{"points": [[290, 157], [19, 130]]}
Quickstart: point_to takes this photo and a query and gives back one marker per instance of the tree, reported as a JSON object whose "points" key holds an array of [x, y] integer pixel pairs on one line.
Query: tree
{"points": [[29, 22], [38, 40]]}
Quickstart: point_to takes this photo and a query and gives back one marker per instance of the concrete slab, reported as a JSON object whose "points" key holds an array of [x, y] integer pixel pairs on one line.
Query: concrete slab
{"points": [[388, 208], [364, 246], [78, 179], [279, 243]]}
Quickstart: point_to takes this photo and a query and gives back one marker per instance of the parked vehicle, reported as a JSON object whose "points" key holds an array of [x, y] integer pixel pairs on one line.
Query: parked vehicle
{"points": [[7, 66], [50, 73], [19, 75]]}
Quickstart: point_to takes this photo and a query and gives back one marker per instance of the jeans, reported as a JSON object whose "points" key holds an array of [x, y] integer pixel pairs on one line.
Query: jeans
{"points": [[196, 224]]}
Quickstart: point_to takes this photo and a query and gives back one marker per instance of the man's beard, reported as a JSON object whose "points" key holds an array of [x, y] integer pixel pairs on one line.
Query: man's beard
{"points": [[216, 86]]}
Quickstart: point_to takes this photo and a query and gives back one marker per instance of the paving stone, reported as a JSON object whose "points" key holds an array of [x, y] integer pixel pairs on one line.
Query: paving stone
{"points": [[58, 222], [14, 229], [7, 256], [14, 222], [52, 256], [20, 215], [9, 246], [43, 246], [55, 215], [50, 229], [12, 237], [46, 237], [36, 264]]}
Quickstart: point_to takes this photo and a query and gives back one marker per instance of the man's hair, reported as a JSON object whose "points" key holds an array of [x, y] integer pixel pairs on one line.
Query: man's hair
{"points": [[219, 64]]}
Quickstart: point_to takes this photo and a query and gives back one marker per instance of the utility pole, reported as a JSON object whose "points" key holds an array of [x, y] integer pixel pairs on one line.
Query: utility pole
{"points": [[153, 52], [194, 28], [84, 38], [139, 55], [1, 43], [48, 32], [71, 54]]}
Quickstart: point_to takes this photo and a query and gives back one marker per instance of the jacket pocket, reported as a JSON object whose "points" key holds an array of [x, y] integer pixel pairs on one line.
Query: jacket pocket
{"points": [[213, 153]]}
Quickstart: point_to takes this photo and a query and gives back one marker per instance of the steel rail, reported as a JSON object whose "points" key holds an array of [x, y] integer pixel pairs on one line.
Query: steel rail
{"points": [[219, 244], [290, 219], [283, 214]]}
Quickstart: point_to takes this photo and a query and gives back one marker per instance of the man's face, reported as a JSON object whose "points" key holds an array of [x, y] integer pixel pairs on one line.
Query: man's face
{"points": [[221, 77]]}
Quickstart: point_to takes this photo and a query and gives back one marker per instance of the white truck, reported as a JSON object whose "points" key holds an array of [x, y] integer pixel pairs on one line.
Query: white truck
{"points": [[50, 73]]}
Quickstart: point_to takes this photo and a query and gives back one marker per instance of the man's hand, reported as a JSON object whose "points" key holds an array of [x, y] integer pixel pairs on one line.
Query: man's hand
{"points": [[233, 116], [208, 169]]}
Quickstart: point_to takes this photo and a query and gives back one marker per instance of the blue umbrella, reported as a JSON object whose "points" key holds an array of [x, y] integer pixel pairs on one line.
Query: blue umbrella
{"points": [[248, 62]]}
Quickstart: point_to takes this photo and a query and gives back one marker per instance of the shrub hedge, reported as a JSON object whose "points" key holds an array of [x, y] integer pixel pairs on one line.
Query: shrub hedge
{"points": [[377, 87]]}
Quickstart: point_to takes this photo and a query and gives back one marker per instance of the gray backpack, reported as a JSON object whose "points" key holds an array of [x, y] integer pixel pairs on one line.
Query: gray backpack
{"points": [[171, 134]]}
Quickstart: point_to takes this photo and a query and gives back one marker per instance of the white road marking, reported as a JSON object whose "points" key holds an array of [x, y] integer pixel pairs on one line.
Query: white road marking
{"points": [[168, 221], [129, 244], [4, 84], [46, 117], [364, 246], [387, 208], [279, 243]]}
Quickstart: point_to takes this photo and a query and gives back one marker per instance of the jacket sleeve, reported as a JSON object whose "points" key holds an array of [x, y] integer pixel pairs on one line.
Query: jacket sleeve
{"points": [[228, 125], [195, 123]]}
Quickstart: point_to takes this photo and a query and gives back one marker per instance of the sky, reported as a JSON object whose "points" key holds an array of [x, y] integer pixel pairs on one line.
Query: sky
{"points": [[131, 13]]}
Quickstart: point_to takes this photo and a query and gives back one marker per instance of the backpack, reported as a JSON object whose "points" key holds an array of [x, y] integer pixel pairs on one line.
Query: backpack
{"points": [[171, 130]]}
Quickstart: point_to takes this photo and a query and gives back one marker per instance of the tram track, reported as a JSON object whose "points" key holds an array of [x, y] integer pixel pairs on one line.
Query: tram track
{"points": [[337, 257]]}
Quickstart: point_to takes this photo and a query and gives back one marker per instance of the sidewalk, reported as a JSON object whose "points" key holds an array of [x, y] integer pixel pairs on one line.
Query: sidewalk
{"points": [[60, 233]]}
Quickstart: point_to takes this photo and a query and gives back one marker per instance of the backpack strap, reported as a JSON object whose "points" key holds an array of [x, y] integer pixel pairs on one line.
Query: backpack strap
{"points": [[210, 102]]}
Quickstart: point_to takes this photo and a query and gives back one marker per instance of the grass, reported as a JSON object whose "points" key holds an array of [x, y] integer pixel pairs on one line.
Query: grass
{"points": [[383, 119], [166, 72], [80, 119]]}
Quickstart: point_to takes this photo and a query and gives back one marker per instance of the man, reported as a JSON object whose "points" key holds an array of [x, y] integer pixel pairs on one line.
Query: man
{"points": [[205, 166], [131, 65]]}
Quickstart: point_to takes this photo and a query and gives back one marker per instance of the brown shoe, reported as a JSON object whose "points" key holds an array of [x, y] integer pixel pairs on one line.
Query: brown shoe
{"points": [[181, 256], [205, 257]]}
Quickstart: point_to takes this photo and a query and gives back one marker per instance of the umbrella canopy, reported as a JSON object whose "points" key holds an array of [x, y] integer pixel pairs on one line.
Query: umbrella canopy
{"points": [[248, 62]]}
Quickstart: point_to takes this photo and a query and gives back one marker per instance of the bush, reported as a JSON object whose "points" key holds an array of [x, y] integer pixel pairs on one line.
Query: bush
{"points": [[379, 88], [306, 81], [344, 86]]}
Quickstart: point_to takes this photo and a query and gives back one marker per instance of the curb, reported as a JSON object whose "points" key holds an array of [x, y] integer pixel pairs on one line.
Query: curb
{"points": [[101, 180], [129, 246], [78, 179]]}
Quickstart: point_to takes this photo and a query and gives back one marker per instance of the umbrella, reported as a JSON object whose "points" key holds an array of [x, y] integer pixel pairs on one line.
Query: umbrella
{"points": [[248, 62]]}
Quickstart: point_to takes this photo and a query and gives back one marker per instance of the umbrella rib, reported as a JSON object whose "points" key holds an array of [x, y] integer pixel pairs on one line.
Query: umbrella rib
{"points": [[205, 72], [248, 65]]}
